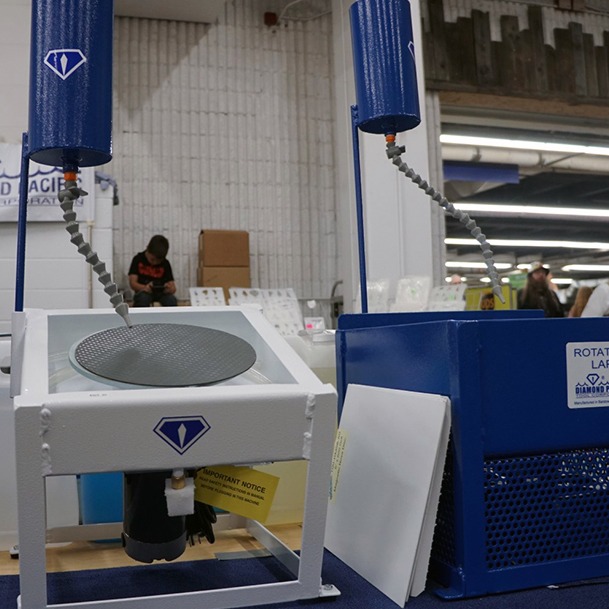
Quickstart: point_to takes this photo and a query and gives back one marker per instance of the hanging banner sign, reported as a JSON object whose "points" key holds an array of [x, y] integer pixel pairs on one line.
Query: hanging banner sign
{"points": [[43, 187]]}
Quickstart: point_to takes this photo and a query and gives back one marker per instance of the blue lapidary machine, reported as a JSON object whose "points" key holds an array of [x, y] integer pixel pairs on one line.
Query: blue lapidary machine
{"points": [[525, 492], [154, 394]]}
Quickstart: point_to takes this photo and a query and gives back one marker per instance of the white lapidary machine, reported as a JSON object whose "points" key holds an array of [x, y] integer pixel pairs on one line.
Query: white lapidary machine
{"points": [[153, 393], [68, 423]]}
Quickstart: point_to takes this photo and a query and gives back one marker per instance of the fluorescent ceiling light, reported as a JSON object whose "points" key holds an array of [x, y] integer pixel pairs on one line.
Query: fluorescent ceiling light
{"points": [[533, 210], [562, 281], [449, 279], [581, 245], [586, 267], [476, 265], [494, 142], [485, 279]]}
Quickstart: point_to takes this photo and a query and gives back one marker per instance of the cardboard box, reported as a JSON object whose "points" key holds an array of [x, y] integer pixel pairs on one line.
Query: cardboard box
{"points": [[224, 277], [224, 248]]}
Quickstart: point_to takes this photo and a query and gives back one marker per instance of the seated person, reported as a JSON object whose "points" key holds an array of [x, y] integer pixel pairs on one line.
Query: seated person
{"points": [[151, 277]]}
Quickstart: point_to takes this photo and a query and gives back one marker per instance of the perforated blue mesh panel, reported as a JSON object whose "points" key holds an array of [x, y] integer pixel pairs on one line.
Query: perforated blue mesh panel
{"points": [[546, 508], [443, 549], [538, 509]]}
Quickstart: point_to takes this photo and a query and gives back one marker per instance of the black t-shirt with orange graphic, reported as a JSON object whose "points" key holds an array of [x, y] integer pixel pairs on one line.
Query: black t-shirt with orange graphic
{"points": [[159, 274]]}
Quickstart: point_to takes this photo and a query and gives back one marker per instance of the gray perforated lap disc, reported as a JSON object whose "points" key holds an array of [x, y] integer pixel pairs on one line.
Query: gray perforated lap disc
{"points": [[164, 355]]}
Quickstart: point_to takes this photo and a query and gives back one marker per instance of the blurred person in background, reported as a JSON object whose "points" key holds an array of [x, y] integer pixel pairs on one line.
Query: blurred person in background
{"points": [[537, 293], [580, 302], [456, 279], [487, 302], [598, 303]]}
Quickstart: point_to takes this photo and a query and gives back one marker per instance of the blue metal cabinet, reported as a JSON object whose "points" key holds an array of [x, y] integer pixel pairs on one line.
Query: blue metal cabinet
{"points": [[525, 498]]}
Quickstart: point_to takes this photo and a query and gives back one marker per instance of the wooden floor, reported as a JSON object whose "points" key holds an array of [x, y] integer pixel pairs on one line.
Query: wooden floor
{"points": [[89, 555]]}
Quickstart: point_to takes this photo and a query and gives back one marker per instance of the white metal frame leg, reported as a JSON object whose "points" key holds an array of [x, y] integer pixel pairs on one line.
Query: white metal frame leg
{"points": [[31, 499]]}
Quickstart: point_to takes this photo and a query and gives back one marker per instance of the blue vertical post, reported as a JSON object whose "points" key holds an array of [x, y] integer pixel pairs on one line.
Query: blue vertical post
{"points": [[359, 207], [385, 85], [21, 223]]}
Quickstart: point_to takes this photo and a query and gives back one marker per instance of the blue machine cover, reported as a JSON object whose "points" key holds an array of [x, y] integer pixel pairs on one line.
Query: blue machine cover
{"points": [[70, 113], [384, 64]]}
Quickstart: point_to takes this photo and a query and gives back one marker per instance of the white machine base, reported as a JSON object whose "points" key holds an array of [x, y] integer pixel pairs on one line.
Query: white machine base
{"points": [[226, 522]]}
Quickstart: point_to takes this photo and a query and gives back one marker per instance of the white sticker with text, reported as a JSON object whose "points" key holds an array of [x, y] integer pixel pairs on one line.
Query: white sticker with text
{"points": [[588, 375]]}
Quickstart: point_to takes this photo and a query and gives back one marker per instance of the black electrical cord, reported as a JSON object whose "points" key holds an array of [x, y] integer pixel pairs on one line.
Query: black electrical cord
{"points": [[199, 524]]}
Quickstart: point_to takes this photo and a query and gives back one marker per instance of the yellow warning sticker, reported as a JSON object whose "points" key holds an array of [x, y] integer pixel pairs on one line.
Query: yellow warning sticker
{"points": [[239, 490]]}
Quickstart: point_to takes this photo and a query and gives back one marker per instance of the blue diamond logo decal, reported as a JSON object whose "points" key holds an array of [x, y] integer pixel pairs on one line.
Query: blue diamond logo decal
{"points": [[592, 378], [64, 62], [181, 432]]}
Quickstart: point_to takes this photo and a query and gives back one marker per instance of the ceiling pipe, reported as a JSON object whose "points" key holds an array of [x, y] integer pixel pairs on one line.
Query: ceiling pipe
{"points": [[526, 158]]}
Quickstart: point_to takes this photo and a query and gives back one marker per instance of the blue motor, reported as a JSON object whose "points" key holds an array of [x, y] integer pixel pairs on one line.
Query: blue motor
{"points": [[384, 66], [70, 113]]}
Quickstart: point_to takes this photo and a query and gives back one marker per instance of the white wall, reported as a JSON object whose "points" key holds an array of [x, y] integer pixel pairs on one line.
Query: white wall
{"points": [[56, 275], [14, 68], [227, 126]]}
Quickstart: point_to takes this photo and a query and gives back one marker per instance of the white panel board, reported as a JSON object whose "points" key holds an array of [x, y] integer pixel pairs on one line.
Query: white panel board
{"points": [[387, 473]]}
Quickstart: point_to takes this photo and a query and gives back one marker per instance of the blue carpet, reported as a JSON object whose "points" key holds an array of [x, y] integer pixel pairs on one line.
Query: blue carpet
{"points": [[356, 593]]}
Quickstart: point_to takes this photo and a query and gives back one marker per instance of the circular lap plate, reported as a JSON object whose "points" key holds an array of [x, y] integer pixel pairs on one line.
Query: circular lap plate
{"points": [[163, 355]]}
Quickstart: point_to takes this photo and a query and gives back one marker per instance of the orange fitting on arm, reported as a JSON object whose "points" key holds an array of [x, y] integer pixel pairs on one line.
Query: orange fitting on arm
{"points": [[70, 176], [390, 138]]}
